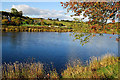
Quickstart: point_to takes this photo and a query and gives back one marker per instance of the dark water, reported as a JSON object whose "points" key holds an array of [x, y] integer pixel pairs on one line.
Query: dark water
{"points": [[54, 47]]}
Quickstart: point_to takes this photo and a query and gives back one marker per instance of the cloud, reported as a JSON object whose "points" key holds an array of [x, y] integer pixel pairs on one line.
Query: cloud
{"points": [[44, 13]]}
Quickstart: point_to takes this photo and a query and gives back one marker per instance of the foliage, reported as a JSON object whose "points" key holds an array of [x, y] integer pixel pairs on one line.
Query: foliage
{"points": [[16, 13], [83, 37], [20, 13], [97, 67], [5, 21], [98, 12]]}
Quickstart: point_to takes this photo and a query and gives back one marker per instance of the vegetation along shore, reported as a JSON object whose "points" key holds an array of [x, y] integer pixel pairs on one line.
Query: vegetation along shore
{"points": [[106, 66]]}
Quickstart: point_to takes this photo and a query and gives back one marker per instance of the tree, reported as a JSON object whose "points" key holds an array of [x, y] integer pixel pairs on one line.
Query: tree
{"points": [[42, 22], [5, 21], [31, 22], [13, 18], [20, 13], [27, 21], [57, 19], [98, 12], [18, 18], [17, 21], [14, 11]]}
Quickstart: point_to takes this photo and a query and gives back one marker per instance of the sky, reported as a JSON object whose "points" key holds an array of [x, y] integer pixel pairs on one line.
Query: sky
{"points": [[39, 9], [52, 9]]}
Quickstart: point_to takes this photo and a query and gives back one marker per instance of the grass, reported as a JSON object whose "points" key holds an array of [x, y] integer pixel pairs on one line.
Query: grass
{"points": [[31, 25], [104, 67], [71, 27], [97, 67], [23, 70], [110, 71], [34, 29]]}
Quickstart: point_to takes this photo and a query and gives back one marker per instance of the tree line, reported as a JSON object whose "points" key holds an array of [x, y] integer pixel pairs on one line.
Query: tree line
{"points": [[16, 18]]}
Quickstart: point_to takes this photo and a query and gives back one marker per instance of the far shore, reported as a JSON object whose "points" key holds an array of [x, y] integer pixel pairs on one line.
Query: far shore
{"points": [[46, 29], [35, 29]]}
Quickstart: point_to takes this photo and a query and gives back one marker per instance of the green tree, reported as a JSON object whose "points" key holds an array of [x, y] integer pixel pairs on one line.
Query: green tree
{"points": [[18, 21], [13, 18], [31, 22], [27, 21], [14, 11], [20, 13], [18, 18]]}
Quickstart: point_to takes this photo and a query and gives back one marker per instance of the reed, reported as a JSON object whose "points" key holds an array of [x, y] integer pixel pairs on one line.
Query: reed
{"points": [[23, 70], [97, 67], [25, 29]]}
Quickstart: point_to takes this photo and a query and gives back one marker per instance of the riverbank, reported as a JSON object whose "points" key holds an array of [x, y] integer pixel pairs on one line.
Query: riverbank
{"points": [[97, 67], [35, 29], [56, 29]]}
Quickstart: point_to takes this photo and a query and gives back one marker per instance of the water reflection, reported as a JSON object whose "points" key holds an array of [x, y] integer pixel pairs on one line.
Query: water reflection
{"points": [[54, 47]]}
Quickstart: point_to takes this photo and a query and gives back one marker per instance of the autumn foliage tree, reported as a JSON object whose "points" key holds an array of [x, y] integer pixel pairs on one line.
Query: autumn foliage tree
{"points": [[98, 12]]}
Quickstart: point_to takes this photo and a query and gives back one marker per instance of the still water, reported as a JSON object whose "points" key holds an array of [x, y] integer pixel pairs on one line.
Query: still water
{"points": [[58, 48]]}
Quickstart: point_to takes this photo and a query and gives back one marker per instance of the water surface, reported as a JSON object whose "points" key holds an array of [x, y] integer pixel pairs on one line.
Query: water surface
{"points": [[54, 47]]}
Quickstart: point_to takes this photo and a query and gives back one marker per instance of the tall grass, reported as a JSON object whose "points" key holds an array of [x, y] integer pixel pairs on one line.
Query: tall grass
{"points": [[97, 67], [23, 70], [0, 71], [104, 67]]}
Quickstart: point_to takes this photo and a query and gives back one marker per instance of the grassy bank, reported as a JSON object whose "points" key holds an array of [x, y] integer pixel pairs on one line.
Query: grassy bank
{"points": [[34, 29], [104, 67], [97, 67], [69, 27]]}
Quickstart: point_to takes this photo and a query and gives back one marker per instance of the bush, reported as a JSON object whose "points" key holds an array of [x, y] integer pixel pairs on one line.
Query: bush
{"points": [[5, 21]]}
